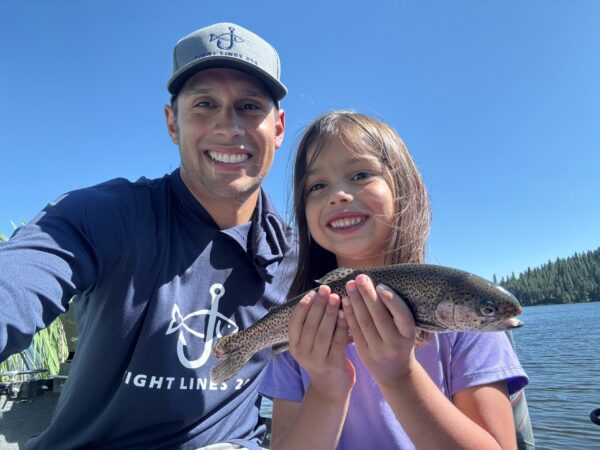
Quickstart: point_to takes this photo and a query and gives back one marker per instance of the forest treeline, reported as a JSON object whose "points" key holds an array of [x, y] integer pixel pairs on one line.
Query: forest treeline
{"points": [[567, 280]]}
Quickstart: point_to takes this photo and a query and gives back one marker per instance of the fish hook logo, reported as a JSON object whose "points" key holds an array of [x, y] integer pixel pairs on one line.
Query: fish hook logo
{"points": [[213, 328], [226, 40]]}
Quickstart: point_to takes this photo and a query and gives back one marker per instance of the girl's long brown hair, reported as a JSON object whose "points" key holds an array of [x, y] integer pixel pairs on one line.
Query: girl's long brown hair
{"points": [[363, 135]]}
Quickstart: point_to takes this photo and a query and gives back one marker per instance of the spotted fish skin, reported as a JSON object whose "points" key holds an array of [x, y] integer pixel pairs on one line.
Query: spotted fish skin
{"points": [[441, 299]]}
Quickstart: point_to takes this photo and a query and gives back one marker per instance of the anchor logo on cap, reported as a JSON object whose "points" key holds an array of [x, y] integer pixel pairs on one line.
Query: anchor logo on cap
{"points": [[226, 40]]}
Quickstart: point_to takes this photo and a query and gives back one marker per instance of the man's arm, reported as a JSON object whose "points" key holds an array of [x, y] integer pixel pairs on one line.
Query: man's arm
{"points": [[44, 264]]}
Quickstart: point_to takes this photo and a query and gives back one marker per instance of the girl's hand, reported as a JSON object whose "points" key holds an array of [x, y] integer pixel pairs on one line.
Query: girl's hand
{"points": [[383, 329], [318, 334]]}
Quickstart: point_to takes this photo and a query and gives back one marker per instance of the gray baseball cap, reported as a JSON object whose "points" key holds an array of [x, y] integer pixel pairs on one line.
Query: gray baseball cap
{"points": [[226, 45]]}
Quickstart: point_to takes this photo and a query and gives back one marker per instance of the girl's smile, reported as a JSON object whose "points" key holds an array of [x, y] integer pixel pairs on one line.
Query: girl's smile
{"points": [[346, 222], [349, 205]]}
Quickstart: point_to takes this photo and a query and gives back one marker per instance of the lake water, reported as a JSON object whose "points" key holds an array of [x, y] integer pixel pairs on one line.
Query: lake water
{"points": [[559, 347]]}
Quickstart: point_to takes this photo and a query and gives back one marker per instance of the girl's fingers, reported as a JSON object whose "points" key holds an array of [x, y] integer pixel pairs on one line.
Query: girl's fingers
{"points": [[353, 325], [324, 334], [298, 317], [402, 315], [313, 319], [340, 337], [381, 313], [363, 297]]}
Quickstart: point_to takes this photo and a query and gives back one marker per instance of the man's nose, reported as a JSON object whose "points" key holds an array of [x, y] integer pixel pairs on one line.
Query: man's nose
{"points": [[229, 124]]}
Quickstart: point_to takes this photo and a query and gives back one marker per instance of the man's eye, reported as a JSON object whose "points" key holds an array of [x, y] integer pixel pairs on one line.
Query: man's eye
{"points": [[203, 104], [251, 106]]}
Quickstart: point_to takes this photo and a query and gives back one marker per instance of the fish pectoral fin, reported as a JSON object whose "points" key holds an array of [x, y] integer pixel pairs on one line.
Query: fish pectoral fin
{"points": [[430, 327], [280, 348]]}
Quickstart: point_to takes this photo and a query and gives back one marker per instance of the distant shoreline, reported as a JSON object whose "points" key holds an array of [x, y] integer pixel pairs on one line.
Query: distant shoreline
{"points": [[550, 303]]}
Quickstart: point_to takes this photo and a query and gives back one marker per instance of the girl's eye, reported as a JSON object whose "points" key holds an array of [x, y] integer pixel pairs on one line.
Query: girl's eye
{"points": [[360, 176], [316, 187]]}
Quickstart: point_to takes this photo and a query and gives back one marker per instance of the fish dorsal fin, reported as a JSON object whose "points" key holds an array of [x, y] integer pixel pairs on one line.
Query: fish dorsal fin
{"points": [[338, 274]]}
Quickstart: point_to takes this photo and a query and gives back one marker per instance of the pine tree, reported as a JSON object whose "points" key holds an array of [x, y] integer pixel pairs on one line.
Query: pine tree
{"points": [[565, 280]]}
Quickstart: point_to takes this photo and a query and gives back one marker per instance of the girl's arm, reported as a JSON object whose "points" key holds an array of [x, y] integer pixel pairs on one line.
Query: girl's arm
{"points": [[317, 338], [481, 417], [489, 406], [383, 329], [315, 423]]}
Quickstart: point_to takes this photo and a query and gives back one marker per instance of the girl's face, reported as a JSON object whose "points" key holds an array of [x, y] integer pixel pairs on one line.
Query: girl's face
{"points": [[349, 205]]}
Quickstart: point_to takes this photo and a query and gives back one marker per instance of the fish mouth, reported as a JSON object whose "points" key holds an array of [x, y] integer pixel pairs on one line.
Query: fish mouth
{"points": [[513, 323], [507, 324]]}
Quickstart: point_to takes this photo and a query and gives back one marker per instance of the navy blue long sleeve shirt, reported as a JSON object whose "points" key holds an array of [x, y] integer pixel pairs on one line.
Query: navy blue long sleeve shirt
{"points": [[156, 282]]}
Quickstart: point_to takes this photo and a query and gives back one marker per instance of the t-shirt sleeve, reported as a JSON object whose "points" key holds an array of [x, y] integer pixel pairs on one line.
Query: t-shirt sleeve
{"points": [[484, 358], [283, 379]]}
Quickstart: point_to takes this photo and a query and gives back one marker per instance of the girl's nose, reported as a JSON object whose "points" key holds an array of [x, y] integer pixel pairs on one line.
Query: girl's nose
{"points": [[339, 196]]}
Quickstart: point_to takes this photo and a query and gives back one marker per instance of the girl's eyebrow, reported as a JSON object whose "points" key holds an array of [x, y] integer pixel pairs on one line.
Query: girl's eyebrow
{"points": [[311, 172], [352, 161]]}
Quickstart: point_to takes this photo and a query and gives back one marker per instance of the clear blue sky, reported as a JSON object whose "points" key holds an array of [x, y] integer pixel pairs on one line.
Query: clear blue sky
{"points": [[499, 102]]}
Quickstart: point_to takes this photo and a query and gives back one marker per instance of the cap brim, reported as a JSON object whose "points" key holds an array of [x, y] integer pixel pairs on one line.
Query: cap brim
{"points": [[274, 86]]}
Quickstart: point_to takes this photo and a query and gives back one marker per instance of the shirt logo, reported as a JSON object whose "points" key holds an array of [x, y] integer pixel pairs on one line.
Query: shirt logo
{"points": [[215, 324], [226, 40]]}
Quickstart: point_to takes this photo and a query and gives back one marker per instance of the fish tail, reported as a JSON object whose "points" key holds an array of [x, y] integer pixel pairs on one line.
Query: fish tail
{"points": [[231, 362]]}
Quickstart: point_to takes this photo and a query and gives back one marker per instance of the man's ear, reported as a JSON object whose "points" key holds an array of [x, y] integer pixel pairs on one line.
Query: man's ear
{"points": [[279, 128], [171, 124]]}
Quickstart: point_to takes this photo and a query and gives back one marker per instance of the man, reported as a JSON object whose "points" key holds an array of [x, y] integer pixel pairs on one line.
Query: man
{"points": [[161, 268]]}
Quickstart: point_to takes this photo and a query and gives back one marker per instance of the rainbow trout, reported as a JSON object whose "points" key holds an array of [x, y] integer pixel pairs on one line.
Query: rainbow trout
{"points": [[440, 298]]}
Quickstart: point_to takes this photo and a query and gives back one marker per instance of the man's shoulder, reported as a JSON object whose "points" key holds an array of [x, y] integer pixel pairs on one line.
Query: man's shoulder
{"points": [[116, 193], [108, 208], [118, 187]]}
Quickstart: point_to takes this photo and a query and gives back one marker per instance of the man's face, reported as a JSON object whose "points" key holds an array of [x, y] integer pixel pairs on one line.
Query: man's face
{"points": [[227, 129]]}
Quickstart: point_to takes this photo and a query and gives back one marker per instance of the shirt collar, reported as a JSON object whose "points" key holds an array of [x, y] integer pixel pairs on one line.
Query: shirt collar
{"points": [[187, 200], [266, 239], [270, 238]]}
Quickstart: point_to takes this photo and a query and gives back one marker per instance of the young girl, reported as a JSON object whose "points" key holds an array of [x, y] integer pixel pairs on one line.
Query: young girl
{"points": [[360, 202]]}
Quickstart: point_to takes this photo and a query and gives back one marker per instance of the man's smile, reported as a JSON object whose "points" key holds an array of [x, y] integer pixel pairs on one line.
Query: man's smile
{"points": [[228, 158]]}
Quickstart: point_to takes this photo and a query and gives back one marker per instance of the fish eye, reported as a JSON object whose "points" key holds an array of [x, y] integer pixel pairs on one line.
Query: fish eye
{"points": [[487, 308]]}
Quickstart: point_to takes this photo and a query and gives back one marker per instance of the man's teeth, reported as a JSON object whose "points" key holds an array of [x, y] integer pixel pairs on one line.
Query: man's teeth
{"points": [[348, 222], [228, 157]]}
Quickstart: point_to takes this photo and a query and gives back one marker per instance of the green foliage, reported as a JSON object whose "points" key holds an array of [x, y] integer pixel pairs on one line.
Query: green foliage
{"points": [[566, 280], [47, 350]]}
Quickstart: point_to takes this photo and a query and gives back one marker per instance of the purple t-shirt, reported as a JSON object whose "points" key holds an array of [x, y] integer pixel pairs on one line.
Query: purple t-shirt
{"points": [[454, 361]]}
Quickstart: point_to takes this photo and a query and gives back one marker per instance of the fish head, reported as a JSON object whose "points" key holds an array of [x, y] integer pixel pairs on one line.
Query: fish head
{"points": [[475, 304]]}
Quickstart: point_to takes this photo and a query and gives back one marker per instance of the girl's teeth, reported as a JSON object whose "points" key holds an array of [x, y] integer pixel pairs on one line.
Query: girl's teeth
{"points": [[343, 223], [228, 158]]}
